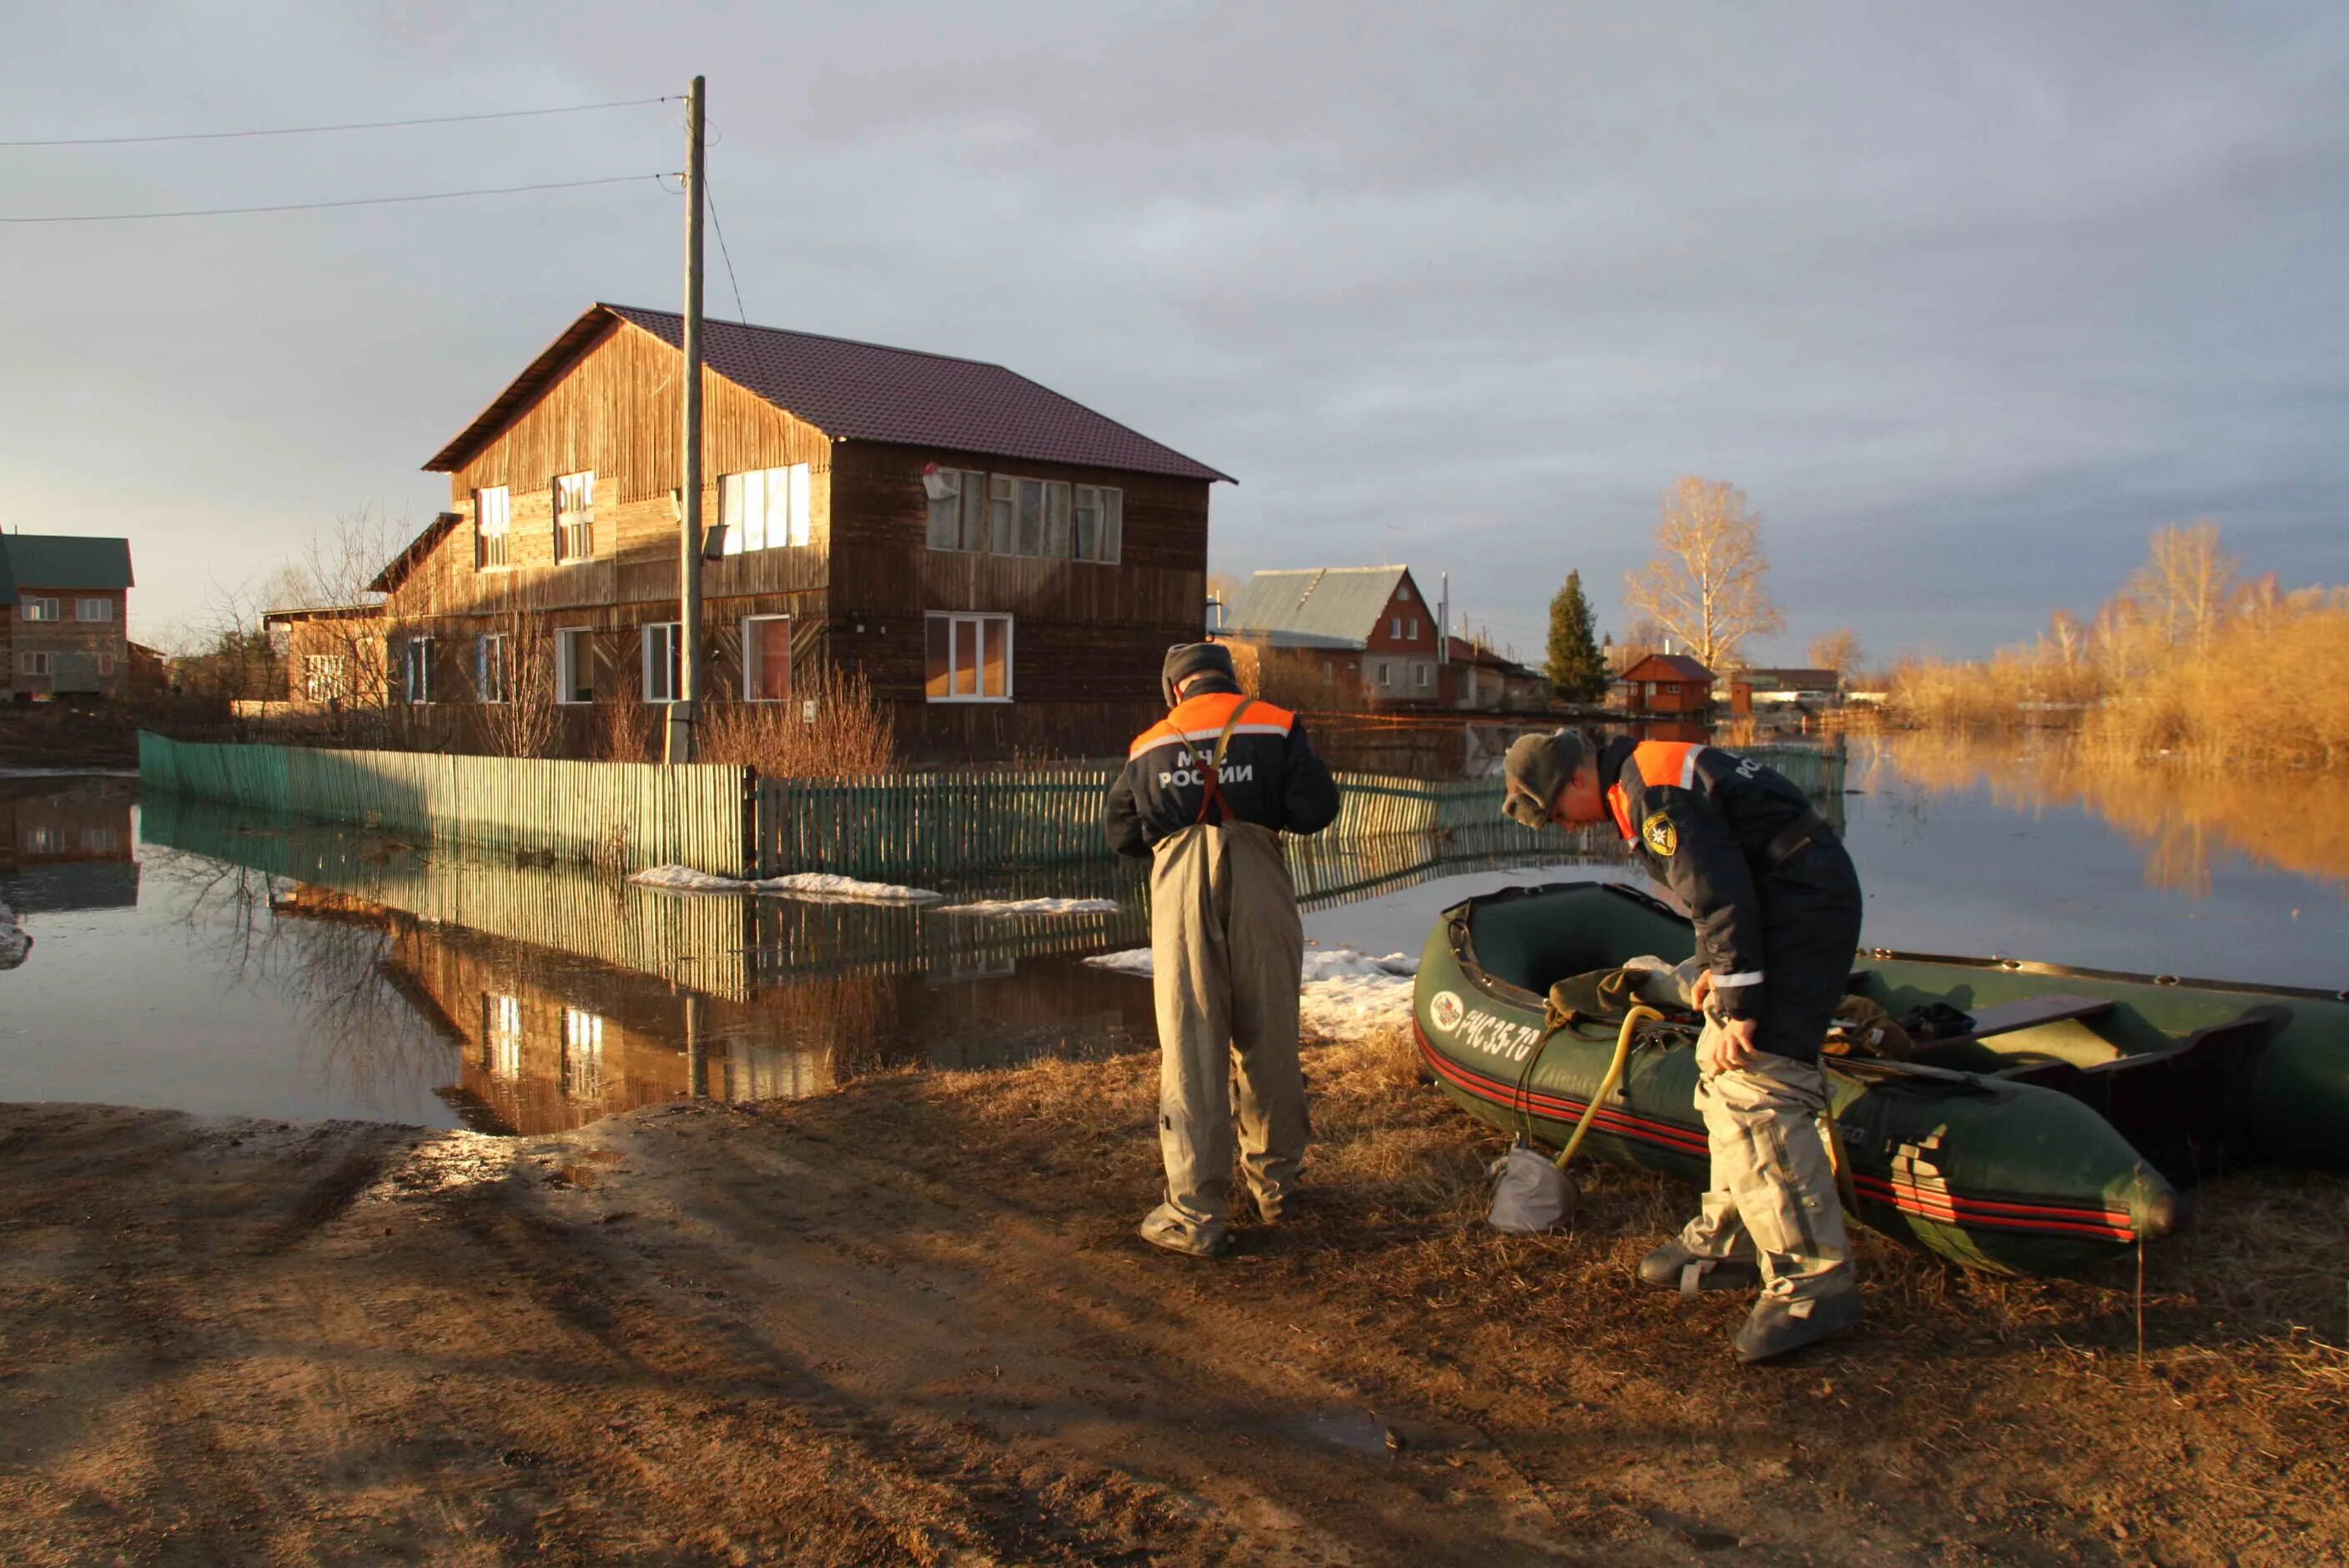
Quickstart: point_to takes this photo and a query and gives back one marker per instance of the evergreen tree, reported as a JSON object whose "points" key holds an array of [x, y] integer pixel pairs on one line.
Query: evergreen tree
{"points": [[1576, 672]]}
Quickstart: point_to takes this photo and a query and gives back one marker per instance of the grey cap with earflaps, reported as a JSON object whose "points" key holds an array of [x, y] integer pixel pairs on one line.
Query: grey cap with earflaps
{"points": [[1536, 774]]}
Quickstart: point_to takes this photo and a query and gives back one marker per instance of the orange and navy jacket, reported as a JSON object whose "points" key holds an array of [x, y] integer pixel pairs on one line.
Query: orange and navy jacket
{"points": [[1270, 775], [1711, 825]]}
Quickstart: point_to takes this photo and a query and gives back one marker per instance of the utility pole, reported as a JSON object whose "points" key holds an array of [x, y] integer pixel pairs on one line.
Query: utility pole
{"points": [[687, 708]]}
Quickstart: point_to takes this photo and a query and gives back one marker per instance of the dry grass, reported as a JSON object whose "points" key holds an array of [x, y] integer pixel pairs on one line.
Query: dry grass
{"points": [[623, 730], [847, 734]]}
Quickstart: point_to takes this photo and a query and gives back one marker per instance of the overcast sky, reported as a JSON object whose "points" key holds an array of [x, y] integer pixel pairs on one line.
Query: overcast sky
{"points": [[1968, 299]]}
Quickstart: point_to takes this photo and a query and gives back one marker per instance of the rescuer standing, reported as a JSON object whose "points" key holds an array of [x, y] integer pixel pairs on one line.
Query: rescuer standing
{"points": [[1205, 795], [1777, 906]]}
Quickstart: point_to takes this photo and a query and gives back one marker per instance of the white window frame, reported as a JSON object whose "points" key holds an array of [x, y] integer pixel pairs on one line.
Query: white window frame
{"points": [[42, 608], [493, 521], [416, 672], [570, 641], [766, 508], [580, 487], [750, 669], [1011, 651], [1386, 673], [1426, 676], [32, 662], [502, 1036], [492, 674], [325, 676], [103, 608], [672, 668]]}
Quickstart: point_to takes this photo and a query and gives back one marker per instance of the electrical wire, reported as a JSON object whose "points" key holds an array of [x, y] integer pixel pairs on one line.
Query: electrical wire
{"points": [[320, 206], [355, 125], [741, 314]]}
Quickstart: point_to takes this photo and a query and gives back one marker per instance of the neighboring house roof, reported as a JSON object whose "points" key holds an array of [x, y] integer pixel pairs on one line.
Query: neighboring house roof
{"points": [[1667, 668], [861, 391], [407, 560], [61, 560], [1323, 606], [321, 612], [1464, 652]]}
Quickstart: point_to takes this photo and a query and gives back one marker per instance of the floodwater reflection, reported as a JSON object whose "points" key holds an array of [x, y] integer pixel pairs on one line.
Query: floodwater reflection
{"points": [[2292, 820]]}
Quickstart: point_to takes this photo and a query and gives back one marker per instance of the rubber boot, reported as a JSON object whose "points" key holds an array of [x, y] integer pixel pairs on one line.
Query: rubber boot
{"points": [[1777, 1325], [1668, 1268], [1169, 1229]]}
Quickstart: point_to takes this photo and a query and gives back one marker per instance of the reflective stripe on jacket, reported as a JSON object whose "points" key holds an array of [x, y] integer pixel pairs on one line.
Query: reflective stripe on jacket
{"points": [[1270, 775], [1710, 825]]}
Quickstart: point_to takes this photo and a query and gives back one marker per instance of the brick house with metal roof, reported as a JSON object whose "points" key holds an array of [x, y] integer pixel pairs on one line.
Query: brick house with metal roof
{"points": [[1005, 566], [63, 601], [1370, 629]]}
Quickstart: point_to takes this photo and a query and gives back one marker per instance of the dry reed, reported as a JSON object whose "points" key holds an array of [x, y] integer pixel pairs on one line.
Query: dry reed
{"points": [[832, 726]]}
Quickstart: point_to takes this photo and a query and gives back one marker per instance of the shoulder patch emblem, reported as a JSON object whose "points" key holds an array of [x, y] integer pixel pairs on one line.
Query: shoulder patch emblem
{"points": [[1660, 835]]}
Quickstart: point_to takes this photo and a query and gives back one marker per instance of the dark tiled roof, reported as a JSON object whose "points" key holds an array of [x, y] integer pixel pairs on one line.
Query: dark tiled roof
{"points": [[866, 392], [61, 560], [1678, 666]]}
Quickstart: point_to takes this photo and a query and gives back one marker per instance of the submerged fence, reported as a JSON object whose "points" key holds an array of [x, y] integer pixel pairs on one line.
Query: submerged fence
{"points": [[628, 816], [727, 820]]}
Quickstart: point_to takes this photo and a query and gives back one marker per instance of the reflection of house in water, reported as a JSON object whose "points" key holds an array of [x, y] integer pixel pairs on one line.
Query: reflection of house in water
{"points": [[66, 845]]}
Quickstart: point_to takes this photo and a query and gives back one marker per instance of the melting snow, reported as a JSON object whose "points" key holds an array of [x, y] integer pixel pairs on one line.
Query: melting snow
{"points": [[800, 885], [1345, 990], [1035, 906]]}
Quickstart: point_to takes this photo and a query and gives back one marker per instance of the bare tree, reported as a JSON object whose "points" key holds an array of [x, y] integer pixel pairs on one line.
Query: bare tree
{"points": [[1837, 650], [1704, 586], [341, 642], [2185, 585], [514, 681]]}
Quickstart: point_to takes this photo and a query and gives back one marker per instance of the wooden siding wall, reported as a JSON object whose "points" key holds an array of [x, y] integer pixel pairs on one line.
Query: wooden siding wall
{"points": [[1087, 638], [616, 413]]}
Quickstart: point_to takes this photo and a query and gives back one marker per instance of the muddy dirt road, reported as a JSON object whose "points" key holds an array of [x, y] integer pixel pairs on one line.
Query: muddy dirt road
{"points": [[908, 1323]]}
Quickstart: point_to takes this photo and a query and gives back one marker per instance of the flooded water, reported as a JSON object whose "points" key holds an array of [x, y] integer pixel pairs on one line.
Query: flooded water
{"points": [[196, 958]]}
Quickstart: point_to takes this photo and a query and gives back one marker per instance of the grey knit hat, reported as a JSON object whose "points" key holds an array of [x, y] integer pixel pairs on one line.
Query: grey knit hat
{"points": [[1184, 660], [1537, 772]]}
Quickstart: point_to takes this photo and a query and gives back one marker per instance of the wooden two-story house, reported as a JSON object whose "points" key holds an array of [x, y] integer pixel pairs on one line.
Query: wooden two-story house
{"points": [[1366, 632], [1004, 566], [64, 603]]}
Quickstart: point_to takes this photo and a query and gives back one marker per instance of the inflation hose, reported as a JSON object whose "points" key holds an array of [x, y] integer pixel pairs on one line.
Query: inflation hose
{"points": [[1631, 1021]]}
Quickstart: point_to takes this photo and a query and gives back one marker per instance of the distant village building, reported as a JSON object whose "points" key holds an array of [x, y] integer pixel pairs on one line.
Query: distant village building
{"points": [[1005, 567], [1759, 686], [1363, 636], [335, 656], [1478, 680], [1666, 684], [64, 608]]}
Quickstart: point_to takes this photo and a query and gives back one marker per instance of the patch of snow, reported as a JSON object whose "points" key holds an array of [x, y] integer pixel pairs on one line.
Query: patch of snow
{"points": [[1345, 991], [822, 885], [14, 944], [1034, 907]]}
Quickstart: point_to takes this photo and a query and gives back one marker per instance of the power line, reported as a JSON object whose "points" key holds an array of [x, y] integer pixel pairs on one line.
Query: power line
{"points": [[318, 206], [709, 192], [355, 125]]}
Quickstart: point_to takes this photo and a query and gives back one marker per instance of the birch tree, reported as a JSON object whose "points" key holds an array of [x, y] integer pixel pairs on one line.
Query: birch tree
{"points": [[1704, 586]]}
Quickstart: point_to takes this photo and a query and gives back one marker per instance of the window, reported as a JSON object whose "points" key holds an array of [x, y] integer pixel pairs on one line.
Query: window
{"points": [[663, 661], [970, 659], [574, 664], [1394, 625], [325, 678], [492, 514], [1670, 690], [416, 669], [501, 1036], [574, 517], [101, 841], [1427, 674], [492, 678], [1402, 593], [1328, 672], [1413, 632], [33, 663], [1099, 523], [767, 658], [583, 1054], [43, 840], [39, 610], [765, 509], [1386, 674], [93, 609], [958, 509], [106, 664]]}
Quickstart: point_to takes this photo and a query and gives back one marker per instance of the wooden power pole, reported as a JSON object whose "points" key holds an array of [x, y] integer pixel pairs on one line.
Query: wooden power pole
{"points": [[686, 710]]}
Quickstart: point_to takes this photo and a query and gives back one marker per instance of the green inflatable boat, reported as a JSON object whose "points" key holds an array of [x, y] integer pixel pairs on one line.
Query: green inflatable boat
{"points": [[2034, 1139]]}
